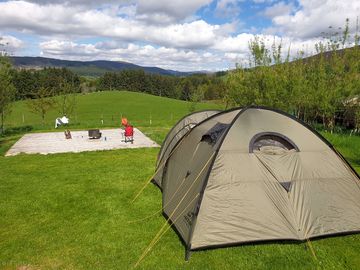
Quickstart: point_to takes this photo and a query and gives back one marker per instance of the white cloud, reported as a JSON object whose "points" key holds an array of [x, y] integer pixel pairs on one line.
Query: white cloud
{"points": [[315, 17], [172, 34], [263, 1], [79, 2], [153, 11], [237, 44], [128, 11], [237, 58], [227, 8], [10, 44], [278, 9], [238, 47], [198, 34], [69, 22], [224, 54], [168, 11], [147, 55]]}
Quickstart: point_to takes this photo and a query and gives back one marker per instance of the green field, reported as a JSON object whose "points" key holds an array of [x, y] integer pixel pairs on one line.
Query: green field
{"points": [[109, 106], [73, 211]]}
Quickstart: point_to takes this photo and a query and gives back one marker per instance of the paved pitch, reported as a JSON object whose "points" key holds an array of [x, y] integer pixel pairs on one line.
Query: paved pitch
{"points": [[55, 142]]}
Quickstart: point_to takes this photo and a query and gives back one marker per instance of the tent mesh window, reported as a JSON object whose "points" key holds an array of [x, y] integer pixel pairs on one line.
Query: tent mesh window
{"points": [[286, 185], [271, 139], [214, 133]]}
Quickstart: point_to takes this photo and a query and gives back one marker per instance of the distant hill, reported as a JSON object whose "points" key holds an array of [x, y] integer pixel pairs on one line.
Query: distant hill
{"points": [[88, 68]]}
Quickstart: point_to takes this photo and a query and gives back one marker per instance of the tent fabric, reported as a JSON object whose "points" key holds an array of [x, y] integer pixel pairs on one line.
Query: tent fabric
{"points": [[184, 178], [181, 128], [222, 193]]}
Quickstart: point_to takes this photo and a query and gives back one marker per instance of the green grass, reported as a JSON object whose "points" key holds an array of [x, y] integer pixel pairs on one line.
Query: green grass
{"points": [[91, 108], [348, 146], [72, 211]]}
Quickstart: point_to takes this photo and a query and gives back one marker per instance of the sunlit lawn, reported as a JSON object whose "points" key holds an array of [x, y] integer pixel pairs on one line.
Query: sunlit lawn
{"points": [[73, 211]]}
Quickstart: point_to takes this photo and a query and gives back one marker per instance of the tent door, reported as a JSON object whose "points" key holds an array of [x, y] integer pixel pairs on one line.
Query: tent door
{"points": [[280, 164]]}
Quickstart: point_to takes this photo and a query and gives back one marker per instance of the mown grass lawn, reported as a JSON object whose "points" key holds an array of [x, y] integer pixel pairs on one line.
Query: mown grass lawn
{"points": [[72, 211], [110, 106]]}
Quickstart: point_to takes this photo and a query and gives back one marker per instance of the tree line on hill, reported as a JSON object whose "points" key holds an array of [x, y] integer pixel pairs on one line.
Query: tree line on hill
{"points": [[324, 88], [39, 87], [162, 85], [27, 82]]}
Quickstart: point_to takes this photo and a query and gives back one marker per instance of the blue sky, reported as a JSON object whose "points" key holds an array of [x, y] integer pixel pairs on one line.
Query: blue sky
{"points": [[177, 34]]}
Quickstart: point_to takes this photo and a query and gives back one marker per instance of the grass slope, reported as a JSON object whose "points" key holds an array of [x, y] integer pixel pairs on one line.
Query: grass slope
{"points": [[72, 211], [91, 108]]}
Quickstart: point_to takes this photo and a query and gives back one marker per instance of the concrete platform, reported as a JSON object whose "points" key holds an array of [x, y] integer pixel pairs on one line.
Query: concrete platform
{"points": [[55, 142]]}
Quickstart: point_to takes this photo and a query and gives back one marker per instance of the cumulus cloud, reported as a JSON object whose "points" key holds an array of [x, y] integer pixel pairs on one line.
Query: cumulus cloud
{"points": [[223, 54], [227, 8], [278, 9], [153, 11], [263, 1], [65, 21], [169, 34], [236, 44], [10, 44], [315, 16], [237, 47], [165, 11], [147, 55], [79, 2]]}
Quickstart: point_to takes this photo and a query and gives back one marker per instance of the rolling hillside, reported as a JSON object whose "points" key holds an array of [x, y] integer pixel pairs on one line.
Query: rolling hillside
{"points": [[109, 106], [87, 68]]}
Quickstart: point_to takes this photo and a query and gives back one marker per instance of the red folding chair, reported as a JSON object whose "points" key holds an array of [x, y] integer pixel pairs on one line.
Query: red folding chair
{"points": [[129, 134]]}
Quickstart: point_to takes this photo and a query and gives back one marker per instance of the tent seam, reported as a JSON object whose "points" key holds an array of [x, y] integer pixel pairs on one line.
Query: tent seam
{"points": [[202, 191]]}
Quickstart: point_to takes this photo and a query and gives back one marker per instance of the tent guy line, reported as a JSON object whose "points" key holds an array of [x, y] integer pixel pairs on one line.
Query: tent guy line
{"points": [[278, 177]]}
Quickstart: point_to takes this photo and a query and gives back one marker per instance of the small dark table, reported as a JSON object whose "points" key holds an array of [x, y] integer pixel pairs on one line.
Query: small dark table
{"points": [[94, 134]]}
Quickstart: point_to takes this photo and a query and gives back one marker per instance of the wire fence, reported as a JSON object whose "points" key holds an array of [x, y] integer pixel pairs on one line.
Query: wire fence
{"points": [[87, 120]]}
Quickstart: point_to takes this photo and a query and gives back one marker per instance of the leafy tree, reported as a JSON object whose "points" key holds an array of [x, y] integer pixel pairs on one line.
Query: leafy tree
{"points": [[7, 89], [196, 97], [186, 89], [357, 119], [42, 102], [313, 89], [259, 52], [66, 102], [26, 82]]}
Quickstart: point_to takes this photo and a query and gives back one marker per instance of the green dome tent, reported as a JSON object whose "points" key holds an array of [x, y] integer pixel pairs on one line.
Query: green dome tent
{"points": [[179, 130], [256, 174]]}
